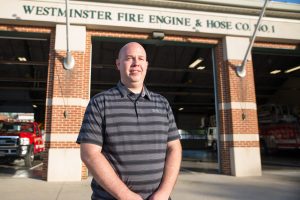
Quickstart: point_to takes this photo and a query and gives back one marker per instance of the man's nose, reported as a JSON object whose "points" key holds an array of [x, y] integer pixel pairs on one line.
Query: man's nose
{"points": [[135, 61]]}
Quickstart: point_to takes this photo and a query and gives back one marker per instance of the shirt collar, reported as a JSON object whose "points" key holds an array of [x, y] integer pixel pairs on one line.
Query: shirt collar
{"points": [[125, 91]]}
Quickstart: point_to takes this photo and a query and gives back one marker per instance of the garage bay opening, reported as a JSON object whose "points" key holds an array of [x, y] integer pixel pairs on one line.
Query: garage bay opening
{"points": [[181, 72]]}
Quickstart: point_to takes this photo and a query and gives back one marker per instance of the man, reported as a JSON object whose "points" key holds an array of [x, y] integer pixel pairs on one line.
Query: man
{"points": [[129, 140]]}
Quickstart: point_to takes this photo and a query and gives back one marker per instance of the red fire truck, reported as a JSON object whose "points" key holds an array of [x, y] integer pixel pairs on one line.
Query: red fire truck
{"points": [[278, 128], [20, 140]]}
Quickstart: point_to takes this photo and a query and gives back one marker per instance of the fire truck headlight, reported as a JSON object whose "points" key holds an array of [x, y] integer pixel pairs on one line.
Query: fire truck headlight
{"points": [[24, 150], [24, 141]]}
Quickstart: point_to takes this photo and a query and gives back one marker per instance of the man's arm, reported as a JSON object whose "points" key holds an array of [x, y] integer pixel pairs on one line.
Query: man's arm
{"points": [[172, 166], [104, 174]]}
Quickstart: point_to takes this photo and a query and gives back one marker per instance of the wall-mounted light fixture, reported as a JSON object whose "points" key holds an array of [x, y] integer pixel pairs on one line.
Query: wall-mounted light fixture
{"points": [[158, 35], [69, 61], [241, 70]]}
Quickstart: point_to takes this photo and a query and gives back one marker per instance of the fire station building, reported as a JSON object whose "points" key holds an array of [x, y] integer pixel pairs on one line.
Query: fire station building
{"points": [[194, 49]]}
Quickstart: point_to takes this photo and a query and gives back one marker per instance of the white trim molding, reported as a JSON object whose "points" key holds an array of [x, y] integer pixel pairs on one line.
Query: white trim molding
{"points": [[59, 101], [64, 165], [77, 37], [235, 48], [245, 161], [121, 17], [239, 137], [238, 106], [54, 137]]}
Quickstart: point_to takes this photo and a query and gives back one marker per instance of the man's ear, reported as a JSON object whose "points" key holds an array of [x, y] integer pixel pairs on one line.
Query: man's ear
{"points": [[118, 64]]}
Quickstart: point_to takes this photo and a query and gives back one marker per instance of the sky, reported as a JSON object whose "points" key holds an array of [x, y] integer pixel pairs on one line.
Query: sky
{"points": [[289, 1]]}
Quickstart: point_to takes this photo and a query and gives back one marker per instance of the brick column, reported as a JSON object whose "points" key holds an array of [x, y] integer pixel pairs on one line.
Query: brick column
{"points": [[68, 93], [239, 139]]}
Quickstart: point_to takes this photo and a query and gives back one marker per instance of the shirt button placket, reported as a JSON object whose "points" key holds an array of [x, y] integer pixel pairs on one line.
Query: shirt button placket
{"points": [[136, 109]]}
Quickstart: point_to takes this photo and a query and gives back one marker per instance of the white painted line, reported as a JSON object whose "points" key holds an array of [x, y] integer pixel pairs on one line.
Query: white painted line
{"points": [[20, 173], [187, 170], [36, 166]]}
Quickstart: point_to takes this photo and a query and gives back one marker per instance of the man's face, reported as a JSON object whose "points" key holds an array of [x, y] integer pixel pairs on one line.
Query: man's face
{"points": [[132, 64]]}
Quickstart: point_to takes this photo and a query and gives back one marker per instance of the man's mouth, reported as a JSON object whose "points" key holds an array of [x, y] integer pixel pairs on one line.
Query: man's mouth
{"points": [[134, 71]]}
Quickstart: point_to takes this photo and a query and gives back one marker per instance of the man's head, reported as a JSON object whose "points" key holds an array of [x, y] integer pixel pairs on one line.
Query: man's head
{"points": [[132, 64]]}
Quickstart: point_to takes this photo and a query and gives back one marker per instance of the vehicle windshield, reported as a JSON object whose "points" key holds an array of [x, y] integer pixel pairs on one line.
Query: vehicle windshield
{"points": [[16, 127], [192, 134]]}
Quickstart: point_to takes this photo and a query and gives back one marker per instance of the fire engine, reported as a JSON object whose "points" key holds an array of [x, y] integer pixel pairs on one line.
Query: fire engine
{"points": [[20, 140], [278, 128]]}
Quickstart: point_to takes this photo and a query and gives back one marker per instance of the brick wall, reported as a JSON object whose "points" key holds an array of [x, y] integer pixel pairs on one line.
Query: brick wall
{"points": [[225, 119], [234, 89], [64, 85]]}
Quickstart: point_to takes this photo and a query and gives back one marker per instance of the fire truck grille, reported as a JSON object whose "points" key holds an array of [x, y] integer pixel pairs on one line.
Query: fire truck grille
{"points": [[6, 141]]}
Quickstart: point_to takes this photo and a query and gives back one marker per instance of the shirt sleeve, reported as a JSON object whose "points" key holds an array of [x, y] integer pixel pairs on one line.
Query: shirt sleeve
{"points": [[173, 133], [91, 130]]}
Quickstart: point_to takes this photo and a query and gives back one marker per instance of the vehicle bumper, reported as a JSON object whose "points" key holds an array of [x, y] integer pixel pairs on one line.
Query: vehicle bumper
{"points": [[16, 151]]}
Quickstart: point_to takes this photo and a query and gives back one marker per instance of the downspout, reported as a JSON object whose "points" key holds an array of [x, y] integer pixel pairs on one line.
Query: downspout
{"points": [[241, 70]]}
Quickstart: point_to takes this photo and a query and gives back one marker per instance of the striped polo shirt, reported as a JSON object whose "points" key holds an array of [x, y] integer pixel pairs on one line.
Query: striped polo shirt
{"points": [[133, 131]]}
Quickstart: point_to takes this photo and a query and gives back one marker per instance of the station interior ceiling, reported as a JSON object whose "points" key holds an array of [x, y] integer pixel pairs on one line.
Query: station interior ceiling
{"points": [[190, 91]]}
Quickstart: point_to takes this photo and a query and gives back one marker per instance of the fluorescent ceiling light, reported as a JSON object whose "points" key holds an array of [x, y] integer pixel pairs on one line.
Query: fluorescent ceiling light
{"points": [[292, 69], [22, 59], [180, 109], [201, 67], [23, 38], [276, 71], [195, 63]]}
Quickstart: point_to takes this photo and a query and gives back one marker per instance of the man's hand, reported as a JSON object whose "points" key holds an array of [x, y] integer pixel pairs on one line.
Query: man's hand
{"points": [[159, 196], [172, 166], [131, 196], [104, 174]]}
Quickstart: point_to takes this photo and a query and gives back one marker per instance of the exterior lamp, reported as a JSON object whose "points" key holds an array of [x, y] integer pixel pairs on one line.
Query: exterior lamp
{"points": [[241, 70], [158, 35], [69, 61]]}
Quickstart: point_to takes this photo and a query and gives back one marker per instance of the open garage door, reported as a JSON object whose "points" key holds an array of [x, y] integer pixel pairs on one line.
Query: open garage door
{"points": [[277, 82], [23, 81], [183, 73]]}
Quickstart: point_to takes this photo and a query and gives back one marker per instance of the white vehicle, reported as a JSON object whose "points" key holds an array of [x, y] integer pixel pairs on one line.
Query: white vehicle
{"points": [[212, 138]]}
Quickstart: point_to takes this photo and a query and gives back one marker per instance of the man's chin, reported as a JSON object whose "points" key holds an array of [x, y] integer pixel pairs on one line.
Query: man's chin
{"points": [[135, 79]]}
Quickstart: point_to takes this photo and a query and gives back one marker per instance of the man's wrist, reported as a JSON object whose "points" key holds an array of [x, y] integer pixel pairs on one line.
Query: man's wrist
{"points": [[126, 194], [160, 195], [123, 192]]}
